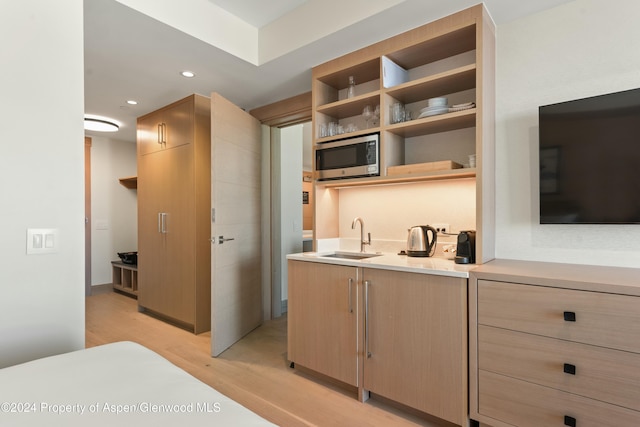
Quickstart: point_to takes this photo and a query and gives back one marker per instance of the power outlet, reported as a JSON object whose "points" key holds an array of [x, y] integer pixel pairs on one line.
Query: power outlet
{"points": [[442, 228]]}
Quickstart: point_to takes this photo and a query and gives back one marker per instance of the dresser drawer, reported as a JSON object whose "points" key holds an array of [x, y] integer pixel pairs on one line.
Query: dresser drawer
{"points": [[602, 319], [524, 404], [612, 376]]}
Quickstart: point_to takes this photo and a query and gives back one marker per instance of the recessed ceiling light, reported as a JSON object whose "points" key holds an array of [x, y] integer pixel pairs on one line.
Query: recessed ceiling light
{"points": [[187, 74], [132, 102], [100, 124]]}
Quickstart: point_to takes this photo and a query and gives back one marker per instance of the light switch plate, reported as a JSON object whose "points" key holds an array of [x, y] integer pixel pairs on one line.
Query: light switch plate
{"points": [[42, 241]]}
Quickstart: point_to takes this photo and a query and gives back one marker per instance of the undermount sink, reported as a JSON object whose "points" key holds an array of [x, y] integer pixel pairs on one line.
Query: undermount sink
{"points": [[350, 255]]}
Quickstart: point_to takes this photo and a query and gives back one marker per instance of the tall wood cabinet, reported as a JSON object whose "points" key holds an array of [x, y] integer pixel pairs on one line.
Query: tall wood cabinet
{"points": [[174, 193], [453, 57]]}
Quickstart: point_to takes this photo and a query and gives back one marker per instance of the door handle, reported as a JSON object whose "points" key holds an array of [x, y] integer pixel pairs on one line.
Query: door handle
{"points": [[221, 239]]}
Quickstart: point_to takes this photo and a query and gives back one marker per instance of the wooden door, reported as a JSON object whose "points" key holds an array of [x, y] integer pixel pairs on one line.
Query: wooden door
{"points": [[148, 133], [166, 128], [322, 319], [166, 229], [178, 207], [87, 216], [236, 288], [417, 340], [178, 119], [151, 242]]}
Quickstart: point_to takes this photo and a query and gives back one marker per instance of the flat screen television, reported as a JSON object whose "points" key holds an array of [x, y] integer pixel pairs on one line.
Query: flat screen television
{"points": [[590, 160]]}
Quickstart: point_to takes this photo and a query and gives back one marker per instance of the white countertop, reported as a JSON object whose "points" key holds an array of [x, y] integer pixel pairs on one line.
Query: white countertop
{"points": [[391, 261]]}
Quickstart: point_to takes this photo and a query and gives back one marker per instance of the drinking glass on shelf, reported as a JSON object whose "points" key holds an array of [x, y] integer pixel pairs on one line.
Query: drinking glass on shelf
{"points": [[367, 113], [333, 129], [397, 112], [376, 115], [407, 115], [323, 130]]}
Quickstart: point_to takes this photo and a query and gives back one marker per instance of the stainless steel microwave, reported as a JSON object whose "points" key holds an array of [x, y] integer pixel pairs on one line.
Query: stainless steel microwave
{"points": [[348, 158]]}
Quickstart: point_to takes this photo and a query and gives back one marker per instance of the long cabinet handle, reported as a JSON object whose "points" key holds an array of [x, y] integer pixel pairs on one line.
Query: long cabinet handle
{"points": [[350, 297], [162, 133], [366, 318], [162, 222]]}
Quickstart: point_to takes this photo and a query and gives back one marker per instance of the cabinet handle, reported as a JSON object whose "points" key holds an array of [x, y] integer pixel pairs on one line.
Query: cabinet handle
{"points": [[570, 421], [162, 222], [350, 299], [569, 316], [366, 318], [164, 133], [569, 369]]}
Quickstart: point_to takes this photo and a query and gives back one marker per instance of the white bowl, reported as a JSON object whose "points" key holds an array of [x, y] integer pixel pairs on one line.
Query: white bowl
{"points": [[437, 102]]}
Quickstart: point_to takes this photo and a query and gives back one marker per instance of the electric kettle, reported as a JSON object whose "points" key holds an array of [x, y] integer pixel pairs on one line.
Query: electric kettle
{"points": [[419, 243]]}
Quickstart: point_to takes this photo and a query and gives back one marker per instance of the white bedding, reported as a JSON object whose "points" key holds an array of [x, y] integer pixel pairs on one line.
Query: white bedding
{"points": [[115, 384]]}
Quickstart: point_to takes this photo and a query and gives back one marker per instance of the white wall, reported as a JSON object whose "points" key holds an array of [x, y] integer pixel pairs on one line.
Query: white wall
{"points": [[41, 177], [291, 141], [114, 225], [581, 49], [388, 212]]}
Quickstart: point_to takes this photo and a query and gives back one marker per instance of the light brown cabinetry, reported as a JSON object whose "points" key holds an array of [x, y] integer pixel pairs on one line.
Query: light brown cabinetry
{"points": [[166, 128], [453, 57], [555, 345], [174, 253], [416, 341], [323, 319], [399, 335]]}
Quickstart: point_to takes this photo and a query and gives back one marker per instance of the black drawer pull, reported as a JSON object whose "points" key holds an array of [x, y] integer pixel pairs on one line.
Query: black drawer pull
{"points": [[570, 421], [569, 316], [569, 369]]}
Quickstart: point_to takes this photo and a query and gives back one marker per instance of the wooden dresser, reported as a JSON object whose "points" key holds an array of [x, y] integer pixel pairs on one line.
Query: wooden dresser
{"points": [[554, 345]]}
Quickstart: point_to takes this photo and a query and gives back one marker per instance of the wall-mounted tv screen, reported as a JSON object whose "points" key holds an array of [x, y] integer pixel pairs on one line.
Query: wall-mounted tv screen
{"points": [[590, 160]]}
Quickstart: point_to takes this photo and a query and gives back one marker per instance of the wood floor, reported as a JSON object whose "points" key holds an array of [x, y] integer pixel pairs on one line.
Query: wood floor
{"points": [[255, 371]]}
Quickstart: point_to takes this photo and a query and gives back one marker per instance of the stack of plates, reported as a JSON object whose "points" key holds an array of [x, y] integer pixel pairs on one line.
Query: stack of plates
{"points": [[433, 111], [435, 106]]}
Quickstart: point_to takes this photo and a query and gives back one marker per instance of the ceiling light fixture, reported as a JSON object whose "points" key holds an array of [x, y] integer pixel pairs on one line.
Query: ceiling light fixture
{"points": [[132, 102], [100, 125], [188, 74]]}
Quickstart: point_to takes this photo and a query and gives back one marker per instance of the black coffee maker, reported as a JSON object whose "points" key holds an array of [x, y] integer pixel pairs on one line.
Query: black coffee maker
{"points": [[466, 250]]}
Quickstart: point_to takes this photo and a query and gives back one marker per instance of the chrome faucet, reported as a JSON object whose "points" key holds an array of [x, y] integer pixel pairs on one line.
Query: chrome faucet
{"points": [[362, 241]]}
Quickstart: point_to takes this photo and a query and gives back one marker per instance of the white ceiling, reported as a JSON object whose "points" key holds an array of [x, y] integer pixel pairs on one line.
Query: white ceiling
{"points": [[258, 12], [129, 55]]}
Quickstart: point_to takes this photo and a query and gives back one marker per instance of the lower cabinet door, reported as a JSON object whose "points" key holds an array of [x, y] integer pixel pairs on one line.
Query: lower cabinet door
{"points": [[322, 319], [416, 341], [524, 404]]}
